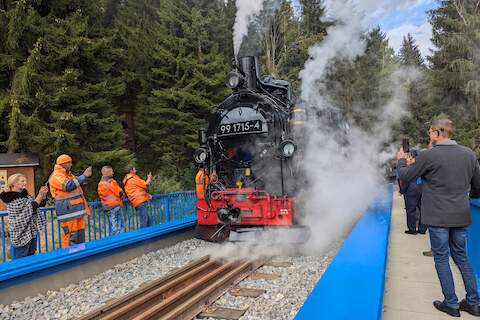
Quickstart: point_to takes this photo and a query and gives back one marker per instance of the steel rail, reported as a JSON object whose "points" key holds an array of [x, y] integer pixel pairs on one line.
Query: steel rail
{"points": [[180, 295]]}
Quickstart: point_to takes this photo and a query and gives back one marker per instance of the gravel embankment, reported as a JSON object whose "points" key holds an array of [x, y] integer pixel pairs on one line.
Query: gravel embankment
{"points": [[282, 300], [285, 295]]}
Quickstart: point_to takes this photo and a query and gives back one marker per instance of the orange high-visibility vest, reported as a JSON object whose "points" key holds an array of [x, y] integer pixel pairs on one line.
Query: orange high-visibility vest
{"points": [[201, 181], [68, 204], [110, 193], [136, 189]]}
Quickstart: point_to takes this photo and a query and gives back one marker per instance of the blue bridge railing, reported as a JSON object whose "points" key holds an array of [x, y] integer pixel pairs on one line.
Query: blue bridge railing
{"points": [[473, 238], [163, 208]]}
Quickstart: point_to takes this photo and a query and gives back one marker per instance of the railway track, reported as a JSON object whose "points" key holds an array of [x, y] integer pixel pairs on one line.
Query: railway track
{"points": [[180, 295]]}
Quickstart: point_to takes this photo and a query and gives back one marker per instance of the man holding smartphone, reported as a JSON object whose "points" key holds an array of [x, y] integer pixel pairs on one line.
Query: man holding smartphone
{"points": [[70, 203], [412, 195], [136, 190], [450, 172]]}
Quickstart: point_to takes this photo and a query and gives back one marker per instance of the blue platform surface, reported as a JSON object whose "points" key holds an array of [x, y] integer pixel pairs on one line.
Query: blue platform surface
{"points": [[36, 263], [473, 238], [353, 285]]}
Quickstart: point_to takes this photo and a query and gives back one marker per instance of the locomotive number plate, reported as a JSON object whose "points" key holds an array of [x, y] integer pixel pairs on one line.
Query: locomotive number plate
{"points": [[240, 127]]}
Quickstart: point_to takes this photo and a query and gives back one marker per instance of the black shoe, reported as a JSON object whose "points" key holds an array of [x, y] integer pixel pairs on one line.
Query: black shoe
{"points": [[428, 253], [410, 232], [422, 232], [473, 310], [444, 308]]}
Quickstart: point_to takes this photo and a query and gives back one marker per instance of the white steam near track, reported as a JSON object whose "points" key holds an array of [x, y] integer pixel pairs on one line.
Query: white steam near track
{"points": [[342, 187], [246, 11]]}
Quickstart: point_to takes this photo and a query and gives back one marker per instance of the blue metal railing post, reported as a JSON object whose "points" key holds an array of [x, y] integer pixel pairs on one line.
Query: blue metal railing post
{"points": [[4, 242]]}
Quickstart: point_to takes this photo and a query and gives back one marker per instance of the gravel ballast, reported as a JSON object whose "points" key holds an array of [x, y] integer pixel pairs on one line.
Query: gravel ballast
{"points": [[283, 297]]}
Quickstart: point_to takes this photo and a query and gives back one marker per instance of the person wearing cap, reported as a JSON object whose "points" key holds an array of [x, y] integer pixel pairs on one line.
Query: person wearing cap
{"points": [[111, 197], [136, 190], [70, 203]]}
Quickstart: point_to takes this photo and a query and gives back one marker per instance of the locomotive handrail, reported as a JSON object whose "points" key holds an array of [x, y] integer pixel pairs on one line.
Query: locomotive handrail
{"points": [[255, 193]]}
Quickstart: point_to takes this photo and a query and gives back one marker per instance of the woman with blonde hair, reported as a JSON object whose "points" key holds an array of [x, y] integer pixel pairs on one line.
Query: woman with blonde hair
{"points": [[24, 218]]}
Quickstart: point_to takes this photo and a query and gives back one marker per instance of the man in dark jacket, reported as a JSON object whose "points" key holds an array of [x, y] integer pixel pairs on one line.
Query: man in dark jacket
{"points": [[449, 173], [412, 195]]}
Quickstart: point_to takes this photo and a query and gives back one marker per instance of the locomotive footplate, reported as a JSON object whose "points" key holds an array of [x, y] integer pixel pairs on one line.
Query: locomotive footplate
{"points": [[286, 235]]}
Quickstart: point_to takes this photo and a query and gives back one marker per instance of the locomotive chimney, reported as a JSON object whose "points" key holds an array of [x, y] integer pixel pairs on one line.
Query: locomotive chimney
{"points": [[251, 70]]}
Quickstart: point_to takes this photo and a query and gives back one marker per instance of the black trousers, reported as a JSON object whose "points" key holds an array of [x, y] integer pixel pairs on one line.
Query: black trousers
{"points": [[413, 201]]}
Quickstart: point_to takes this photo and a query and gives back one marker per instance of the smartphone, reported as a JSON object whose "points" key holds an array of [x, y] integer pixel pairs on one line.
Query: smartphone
{"points": [[406, 145]]}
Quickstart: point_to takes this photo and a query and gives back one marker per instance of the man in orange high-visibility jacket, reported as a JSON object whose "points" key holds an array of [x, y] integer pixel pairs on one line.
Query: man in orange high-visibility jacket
{"points": [[136, 190], [70, 203], [111, 196], [201, 182]]}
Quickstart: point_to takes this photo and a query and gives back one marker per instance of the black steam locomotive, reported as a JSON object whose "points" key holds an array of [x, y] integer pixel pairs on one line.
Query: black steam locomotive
{"points": [[250, 155]]}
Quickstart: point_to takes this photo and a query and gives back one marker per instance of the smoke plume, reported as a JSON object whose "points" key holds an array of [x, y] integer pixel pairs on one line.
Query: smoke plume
{"points": [[345, 179], [246, 11]]}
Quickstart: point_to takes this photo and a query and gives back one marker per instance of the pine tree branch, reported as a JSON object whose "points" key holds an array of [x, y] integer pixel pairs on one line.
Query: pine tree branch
{"points": [[458, 6]]}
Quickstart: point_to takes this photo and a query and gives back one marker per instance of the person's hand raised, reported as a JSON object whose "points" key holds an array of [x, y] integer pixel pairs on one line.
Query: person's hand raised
{"points": [[401, 154], [410, 160], [43, 192], [88, 172]]}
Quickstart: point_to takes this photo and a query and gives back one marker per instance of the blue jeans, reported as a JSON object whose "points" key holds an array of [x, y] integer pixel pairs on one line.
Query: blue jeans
{"points": [[115, 221], [27, 250], [451, 241], [142, 212]]}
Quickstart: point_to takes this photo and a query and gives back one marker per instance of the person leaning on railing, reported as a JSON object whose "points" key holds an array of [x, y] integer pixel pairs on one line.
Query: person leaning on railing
{"points": [[70, 203], [24, 219]]}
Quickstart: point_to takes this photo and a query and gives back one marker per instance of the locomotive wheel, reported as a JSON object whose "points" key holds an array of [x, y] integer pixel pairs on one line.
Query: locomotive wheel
{"points": [[212, 233]]}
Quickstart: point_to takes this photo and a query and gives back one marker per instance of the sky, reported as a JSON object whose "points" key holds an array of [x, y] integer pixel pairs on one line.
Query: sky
{"points": [[411, 18]]}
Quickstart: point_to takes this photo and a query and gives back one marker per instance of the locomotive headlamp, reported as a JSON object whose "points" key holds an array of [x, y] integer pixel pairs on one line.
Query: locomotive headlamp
{"points": [[234, 80], [288, 148], [200, 156]]}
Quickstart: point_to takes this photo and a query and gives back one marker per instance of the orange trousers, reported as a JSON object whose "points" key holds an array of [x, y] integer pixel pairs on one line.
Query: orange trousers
{"points": [[73, 230]]}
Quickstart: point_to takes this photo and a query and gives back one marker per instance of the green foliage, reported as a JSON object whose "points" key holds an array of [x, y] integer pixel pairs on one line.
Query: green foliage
{"points": [[312, 18], [358, 87], [455, 65], [187, 81], [410, 54]]}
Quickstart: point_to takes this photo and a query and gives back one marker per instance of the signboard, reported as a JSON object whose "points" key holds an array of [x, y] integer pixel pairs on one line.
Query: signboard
{"points": [[3, 180]]}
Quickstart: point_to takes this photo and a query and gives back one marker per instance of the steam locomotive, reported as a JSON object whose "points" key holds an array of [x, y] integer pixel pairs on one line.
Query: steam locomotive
{"points": [[248, 154]]}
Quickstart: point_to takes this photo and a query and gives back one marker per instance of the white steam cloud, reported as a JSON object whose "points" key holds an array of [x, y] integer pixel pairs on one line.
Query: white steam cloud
{"points": [[246, 11], [345, 179]]}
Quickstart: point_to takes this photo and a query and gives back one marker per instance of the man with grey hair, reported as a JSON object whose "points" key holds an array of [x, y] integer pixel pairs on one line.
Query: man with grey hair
{"points": [[449, 172]]}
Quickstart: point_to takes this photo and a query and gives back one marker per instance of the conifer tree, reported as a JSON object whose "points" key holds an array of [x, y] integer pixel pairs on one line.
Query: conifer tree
{"points": [[410, 54], [60, 90], [312, 13], [188, 80], [418, 103], [358, 87], [455, 65]]}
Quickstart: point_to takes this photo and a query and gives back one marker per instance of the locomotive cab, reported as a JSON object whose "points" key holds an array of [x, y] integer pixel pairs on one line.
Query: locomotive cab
{"points": [[247, 152]]}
